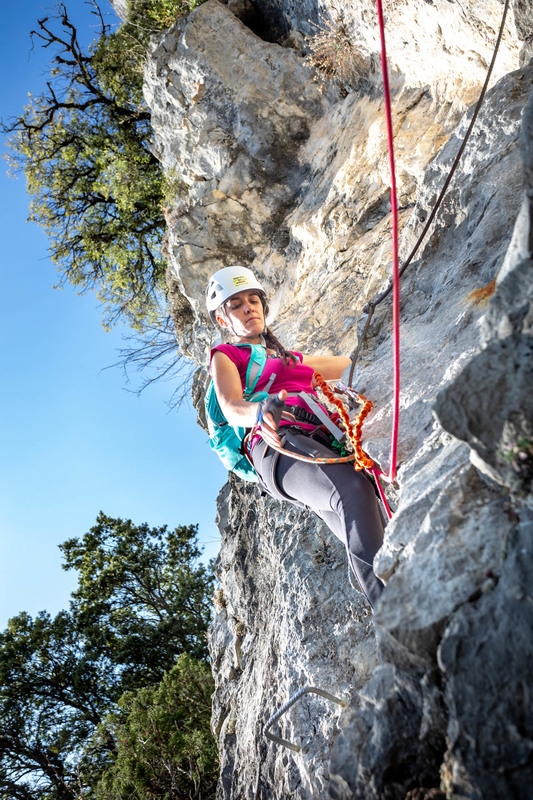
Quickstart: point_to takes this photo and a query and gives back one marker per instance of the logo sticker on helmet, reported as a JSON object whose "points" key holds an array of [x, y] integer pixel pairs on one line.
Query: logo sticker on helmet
{"points": [[240, 280]]}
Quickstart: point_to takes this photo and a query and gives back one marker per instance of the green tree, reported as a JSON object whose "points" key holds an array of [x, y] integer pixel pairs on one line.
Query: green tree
{"points": [[165, 748], [61, 677], [52, 697], [142, 596], [96, 187]]}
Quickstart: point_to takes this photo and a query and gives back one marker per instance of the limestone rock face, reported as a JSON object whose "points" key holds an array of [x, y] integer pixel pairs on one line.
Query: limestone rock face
{"points": [[267, 167], [235, 151], [269, 640]]}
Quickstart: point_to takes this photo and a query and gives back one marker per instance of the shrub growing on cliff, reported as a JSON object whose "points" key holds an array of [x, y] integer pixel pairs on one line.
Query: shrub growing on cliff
{"points": [[96, 188], [159, 13], [334, 54]]}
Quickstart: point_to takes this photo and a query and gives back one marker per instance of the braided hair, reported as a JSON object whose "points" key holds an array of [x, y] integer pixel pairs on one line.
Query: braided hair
{"points": [[273, 343]]}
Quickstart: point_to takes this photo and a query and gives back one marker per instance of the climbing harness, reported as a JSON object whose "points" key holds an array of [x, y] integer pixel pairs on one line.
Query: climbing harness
{"points": [[294, 699], [314, 459], [358, 457], [353, 430]]}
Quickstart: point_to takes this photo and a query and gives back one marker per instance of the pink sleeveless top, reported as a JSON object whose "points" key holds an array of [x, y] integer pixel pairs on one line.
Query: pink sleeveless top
{"points": [[294, 378]]}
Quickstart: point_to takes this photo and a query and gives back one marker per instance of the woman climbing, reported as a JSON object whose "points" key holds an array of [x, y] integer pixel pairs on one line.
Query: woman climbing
{"points": [[343, 498]]}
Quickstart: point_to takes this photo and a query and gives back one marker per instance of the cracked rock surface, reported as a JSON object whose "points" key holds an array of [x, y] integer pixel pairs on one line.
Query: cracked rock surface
{"points": [[272, 169]]}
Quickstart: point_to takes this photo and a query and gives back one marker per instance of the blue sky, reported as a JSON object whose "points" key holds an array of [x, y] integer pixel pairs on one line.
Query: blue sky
{"points": [[73, 439]]}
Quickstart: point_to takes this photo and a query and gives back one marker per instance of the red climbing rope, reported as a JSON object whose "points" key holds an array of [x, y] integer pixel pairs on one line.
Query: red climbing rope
{"points": [[396, 271], [389, 478]]}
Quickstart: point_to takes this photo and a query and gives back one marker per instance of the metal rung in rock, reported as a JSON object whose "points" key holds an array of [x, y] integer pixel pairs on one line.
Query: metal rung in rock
{"points": [[294, 699]]}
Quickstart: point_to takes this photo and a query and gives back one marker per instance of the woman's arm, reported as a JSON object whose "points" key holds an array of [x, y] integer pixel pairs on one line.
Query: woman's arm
{"points": [[238, 411], [330, 367]]}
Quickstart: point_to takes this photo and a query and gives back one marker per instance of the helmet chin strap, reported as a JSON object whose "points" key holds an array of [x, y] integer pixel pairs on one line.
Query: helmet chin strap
{"points": [[222, 311]]}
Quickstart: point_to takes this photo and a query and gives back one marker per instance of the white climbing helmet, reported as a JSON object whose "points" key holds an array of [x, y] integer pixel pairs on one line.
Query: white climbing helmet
{"points": [[229, 281]]}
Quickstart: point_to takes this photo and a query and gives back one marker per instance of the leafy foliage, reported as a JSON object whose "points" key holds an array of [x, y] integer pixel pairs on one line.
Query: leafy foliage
{"points": [[165, 746], [51, 698], [141, 603], [96, 187], [160, 13], [97, 190], [140, 595]]}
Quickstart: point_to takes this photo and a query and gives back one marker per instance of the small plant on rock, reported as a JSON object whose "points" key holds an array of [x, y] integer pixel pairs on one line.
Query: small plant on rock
{"points": [[219, 601], [334, 54], [520, 457]]}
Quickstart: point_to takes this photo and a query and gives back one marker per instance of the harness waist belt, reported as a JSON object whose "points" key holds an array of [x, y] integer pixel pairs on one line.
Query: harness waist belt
{"points": [[323, 417], [304, 416]]}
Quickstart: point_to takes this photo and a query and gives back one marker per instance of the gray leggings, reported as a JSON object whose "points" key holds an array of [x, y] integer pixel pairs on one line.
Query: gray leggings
{"points": [[343, 498]]}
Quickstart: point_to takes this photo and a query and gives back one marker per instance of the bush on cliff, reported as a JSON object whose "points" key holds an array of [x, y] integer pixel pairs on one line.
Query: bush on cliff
{"points": [[84, 144]]}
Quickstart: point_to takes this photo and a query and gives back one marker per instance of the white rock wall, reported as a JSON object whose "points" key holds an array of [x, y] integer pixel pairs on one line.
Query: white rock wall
{"points": [[294, 181]]}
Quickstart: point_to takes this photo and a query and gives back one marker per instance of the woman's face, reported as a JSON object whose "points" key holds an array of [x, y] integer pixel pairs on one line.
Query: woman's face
{"points": [[244, 315]]}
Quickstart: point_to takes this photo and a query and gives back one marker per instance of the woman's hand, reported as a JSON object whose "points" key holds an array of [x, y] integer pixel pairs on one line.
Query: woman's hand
{"points": [[270, 421]]}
